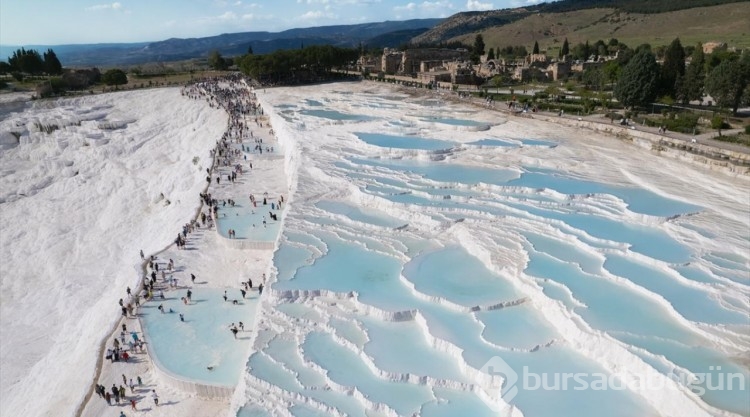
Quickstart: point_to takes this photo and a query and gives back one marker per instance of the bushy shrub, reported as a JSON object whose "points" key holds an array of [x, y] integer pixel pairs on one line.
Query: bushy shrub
{"points": [[568, 108], [683, 122]]}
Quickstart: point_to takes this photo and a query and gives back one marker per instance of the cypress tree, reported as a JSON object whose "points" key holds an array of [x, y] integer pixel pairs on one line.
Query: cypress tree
{"points": [[695, 76], [52, 65], [565, 49], [672, 69], [727, 82], [638, 82]]}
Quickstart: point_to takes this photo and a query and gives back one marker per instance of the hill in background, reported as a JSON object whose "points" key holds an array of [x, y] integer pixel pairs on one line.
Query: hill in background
{"points": [[632, 22], [729, 23], [389, 33]]}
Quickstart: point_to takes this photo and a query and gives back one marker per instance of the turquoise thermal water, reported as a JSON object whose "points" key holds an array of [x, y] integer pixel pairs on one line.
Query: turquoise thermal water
{"points": [[187, 349], [401, 287]]}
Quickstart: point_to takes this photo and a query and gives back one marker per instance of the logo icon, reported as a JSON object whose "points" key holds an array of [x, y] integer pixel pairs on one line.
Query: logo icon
{"points": [[495, 367]]}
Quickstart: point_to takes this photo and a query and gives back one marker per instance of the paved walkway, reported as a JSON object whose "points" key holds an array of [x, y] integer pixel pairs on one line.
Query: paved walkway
{"points": [[706, 138], [216, 263]]}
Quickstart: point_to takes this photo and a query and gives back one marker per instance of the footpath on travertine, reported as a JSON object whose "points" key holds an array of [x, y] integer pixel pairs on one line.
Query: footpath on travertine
{"points": [[706, 138], [216, 263]]}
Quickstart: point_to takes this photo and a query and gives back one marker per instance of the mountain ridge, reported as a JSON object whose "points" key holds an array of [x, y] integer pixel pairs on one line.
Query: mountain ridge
{"points": [[459, 25], [175, 49], [727, 23], [548, 23]]}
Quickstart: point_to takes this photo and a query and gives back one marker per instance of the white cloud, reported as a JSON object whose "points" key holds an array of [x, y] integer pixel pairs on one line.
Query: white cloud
{"points": [[477, 5], [111, 6], [312, 15], [427, 8], [435, 6], [349, 2], [317, 15], [227, 16], [407, 7], [522, 3]]}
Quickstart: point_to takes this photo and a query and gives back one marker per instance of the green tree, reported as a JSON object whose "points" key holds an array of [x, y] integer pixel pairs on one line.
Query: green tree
{"points": [[553, 92], [643, 47], [536, 48], [249, 49], [115, 77], [295, 65], [581, 51], [479, 45], [691, 87], [593, 78], [499, 80], [638, 81], [727, 82], [26, 61], [611, 71], [717, 122], [624, 56], [565, 50], [478, 49], [491, 54], [216, 61], [673, 68], [717, 56], [52, 65]]}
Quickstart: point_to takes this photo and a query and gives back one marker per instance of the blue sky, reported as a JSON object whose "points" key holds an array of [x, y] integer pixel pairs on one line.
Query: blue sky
{"points": [[55, 22]]}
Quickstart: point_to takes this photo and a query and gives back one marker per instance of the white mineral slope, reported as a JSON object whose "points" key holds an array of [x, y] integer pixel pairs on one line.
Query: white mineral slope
{"points": [[584, 154], [76, 206]]}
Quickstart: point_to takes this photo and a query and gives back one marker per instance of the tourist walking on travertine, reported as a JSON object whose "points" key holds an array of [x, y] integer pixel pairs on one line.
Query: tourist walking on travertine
{"points": [[156, 397]]}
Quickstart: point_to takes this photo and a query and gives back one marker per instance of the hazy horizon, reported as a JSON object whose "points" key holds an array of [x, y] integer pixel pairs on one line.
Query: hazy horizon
{"points": [[134, 21]]}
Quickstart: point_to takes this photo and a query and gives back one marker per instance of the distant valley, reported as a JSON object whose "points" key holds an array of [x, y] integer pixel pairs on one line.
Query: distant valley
{"points": [[630, 21], [390, 33]]}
